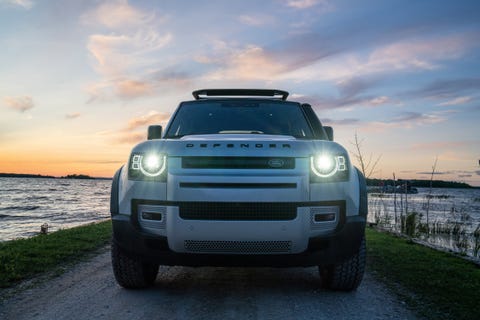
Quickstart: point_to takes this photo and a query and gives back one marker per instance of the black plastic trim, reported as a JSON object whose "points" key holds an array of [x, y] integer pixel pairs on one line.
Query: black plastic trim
{"points": [[238, 185], [114, 207], [363, 208], [239, 92], [195, 162], [318, 131]]}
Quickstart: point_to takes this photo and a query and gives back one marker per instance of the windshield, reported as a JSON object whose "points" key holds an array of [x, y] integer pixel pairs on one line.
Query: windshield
{"points": [[240, 116]]}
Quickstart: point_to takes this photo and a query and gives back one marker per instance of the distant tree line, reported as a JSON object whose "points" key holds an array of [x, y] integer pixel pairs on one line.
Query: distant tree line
{"points": [[23, 175], [77, 176], [420, 183], [26, 175]]}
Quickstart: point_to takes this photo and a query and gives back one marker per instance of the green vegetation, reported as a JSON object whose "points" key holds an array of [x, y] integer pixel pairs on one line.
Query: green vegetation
{"points": [[437, 285], [24, 258], [77, 176]]}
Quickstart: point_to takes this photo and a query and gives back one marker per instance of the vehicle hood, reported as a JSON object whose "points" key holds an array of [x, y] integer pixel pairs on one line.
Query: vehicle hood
{"points": [[239, 145]]}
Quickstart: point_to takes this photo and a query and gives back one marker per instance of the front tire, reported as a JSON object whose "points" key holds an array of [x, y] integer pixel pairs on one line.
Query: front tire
{"points": [[132, 273], [346, 275]]}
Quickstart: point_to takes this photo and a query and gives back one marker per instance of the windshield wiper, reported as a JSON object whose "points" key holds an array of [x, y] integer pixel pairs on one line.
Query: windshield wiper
{"points": [[241, 132]]}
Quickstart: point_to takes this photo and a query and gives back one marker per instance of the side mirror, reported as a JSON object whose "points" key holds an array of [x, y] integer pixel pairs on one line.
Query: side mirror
{"points": [[154, 132], [329, 132]]}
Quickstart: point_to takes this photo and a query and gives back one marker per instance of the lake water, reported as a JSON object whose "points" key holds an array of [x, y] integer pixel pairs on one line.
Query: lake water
{"points": [[453, 216], [27, 203]]}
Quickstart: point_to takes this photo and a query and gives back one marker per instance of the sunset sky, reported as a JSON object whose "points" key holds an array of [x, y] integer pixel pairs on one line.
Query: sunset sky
{"points": [[80, 81]]}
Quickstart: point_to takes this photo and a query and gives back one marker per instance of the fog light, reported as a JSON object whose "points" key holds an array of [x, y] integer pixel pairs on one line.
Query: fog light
{"points": [[146, 215], [324, 217]]}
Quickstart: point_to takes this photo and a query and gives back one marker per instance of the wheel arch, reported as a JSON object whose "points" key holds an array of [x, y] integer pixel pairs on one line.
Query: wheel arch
{"points": [[114, 205], [363, 197]]}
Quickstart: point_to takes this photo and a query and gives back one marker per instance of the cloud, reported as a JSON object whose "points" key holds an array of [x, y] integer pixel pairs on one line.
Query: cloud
{"points": [[339, 122], [305, 4], [131, 88], [124, 57], [130, 137], [115, 54], [335, 56], [405, 120], [354, 86], [456, 101], [172, 76], [153, 117], [436, 145], [379, 100], [256, 20], [135, 131], [419, 54], [128, 89], [318, 56], [118, 56], [74, 115], [21, 104], [326, 103], [410, 117], [248, 63], [25, 4], [446, 88], [118, 15]]}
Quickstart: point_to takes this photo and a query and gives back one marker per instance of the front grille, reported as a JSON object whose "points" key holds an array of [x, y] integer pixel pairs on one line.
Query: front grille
{"points": [[205, 246], [238, 163], [243, 211]]}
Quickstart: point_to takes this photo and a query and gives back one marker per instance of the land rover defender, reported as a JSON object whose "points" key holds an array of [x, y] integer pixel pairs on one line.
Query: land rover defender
{"points": [[239, 177]]}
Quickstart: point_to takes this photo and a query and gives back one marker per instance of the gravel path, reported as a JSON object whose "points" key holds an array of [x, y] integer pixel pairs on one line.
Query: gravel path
{"points": [[89, 291]]}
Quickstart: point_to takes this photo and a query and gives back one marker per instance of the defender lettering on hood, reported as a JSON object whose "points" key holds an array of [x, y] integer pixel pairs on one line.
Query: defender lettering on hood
{"points": [[240, 145]]}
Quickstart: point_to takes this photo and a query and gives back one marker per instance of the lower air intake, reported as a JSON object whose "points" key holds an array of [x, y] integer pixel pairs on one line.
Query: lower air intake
{"points": [[238, 247]]}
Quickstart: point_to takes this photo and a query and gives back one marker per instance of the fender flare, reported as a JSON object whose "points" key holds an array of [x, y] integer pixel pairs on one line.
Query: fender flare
{"points": [[362, 185], [114, 206]]}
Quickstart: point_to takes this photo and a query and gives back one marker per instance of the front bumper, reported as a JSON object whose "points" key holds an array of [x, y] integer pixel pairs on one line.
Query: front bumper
{"points": [[320, 250]]}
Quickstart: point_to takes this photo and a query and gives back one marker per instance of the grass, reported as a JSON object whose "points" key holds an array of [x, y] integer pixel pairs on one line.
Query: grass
{"points": [[437, 285], [24, 258]]}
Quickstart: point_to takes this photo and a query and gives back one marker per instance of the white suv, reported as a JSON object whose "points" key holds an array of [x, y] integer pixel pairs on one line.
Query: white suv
{"points": [[240, 177]]}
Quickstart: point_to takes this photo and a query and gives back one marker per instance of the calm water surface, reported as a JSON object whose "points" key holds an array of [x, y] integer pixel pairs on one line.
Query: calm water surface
{"points": [[453, 216], [27, 203]]}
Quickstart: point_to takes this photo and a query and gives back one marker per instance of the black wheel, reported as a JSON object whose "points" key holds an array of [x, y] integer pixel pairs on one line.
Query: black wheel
{"points": [[132, 273], [347, 275]]}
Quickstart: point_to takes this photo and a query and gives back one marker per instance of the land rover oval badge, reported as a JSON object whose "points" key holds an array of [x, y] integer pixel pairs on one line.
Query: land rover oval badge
{"points": [[276, 163]]}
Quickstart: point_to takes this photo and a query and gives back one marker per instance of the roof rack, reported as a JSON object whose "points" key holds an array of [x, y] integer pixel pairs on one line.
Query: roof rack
{"points": [[205, 93]]}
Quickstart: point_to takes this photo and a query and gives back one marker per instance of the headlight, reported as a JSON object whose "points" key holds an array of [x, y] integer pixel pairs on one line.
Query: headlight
{"points": [[327, 165], [147, 165]]}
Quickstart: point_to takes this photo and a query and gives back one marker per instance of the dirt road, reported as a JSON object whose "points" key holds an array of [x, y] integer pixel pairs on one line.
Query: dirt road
{"points": [[89, 291]]}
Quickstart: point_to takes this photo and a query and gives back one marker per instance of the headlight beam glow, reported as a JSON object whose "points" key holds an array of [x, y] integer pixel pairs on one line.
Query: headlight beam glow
{"points": [[327, 165], [150, 164]]}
